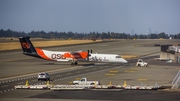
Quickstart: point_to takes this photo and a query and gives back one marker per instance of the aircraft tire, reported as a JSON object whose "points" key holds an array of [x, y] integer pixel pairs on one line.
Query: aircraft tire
{"points": [[76, 63], [72, 63]]}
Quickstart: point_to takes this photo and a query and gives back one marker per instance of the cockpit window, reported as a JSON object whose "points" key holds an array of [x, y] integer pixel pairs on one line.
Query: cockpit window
{"points": [[118, 57]]}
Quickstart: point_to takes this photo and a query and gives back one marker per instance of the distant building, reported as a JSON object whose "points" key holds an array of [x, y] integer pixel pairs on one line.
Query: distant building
{"points": [[171, 52], [149, 31]]}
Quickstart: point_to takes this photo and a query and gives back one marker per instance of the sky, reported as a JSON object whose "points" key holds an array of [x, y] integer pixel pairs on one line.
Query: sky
{"points": [[84, 16]]}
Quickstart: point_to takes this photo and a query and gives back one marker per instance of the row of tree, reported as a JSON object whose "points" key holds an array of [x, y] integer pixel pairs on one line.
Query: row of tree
{"points": [[91, 35]]}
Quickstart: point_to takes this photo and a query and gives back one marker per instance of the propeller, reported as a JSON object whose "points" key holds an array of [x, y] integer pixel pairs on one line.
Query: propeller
{"points": [[89, 53]]}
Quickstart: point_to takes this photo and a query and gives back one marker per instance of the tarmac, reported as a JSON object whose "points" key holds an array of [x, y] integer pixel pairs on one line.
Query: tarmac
{"points": [[14, 65]]}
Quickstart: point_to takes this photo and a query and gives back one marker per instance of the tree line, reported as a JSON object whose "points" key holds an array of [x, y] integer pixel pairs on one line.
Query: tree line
{"points": [[91, 35]]}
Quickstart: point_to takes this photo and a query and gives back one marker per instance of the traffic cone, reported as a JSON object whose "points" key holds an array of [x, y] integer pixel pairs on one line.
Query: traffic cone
{"points": [[95, 84], [52, 85], [27, 84], [47, 83], [124, 84]]}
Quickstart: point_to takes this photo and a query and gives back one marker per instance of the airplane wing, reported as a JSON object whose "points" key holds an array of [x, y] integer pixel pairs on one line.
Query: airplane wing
{"points": [[74, 52]]}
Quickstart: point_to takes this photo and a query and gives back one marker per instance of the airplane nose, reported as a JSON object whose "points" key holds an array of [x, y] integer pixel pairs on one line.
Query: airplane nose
{"points": [[125, 61]]}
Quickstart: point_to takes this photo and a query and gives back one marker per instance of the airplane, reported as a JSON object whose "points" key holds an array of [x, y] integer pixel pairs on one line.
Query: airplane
{"points": [[73, 57]]}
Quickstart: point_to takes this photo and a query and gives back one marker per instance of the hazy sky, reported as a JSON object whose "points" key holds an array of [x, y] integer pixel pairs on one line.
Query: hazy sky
{"points": [[91, 15]]}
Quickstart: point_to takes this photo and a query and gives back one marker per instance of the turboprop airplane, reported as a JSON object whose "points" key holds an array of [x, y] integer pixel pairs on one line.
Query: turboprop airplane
{"points": [[73, 57]]}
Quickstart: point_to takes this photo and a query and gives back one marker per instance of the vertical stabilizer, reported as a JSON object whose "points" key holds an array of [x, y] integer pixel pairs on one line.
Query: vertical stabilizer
{"points": [[27, 46]]}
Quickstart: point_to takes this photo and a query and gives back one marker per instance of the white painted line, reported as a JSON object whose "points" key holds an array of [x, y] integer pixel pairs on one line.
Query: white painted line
{"points": [[58, 75], [34, 80], [5, 86], [21, 83], [49, 71], [68, 73]]}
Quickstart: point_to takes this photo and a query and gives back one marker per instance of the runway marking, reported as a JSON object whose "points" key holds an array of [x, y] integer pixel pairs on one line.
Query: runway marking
{"points": [[78, 78], [113, 71], [70, 82], [128, 71], [109, 74], [34, 73], [103, 45], [15, 60], [34, 80], [5, 86], [68, 73], [142, 79], [21, 83], [135, 68], [58, 75]]}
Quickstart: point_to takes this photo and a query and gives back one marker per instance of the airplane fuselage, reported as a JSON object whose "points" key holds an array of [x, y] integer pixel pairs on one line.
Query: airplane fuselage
{"points": [[81, 56], [106, 58]]}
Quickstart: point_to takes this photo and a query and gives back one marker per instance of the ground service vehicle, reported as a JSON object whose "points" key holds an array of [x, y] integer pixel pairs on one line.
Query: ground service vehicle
{"points": [[43, 76], [141, 63], [84, 81]]}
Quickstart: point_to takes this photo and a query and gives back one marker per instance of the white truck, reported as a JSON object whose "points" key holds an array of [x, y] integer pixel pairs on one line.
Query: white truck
{"points": [[84, 81], [141, 63]]}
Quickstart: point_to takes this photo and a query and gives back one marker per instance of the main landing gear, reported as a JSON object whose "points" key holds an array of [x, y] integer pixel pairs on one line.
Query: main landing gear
{"points": [[74, 63]]}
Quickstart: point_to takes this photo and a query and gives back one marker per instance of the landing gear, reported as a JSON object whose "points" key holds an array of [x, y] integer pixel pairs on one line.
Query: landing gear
{"points": [[74, 63]]}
